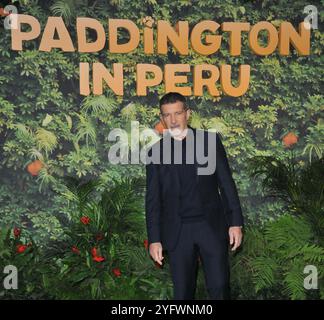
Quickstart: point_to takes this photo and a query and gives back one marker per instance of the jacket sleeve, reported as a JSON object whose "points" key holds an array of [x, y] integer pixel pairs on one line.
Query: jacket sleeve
{"points": [[152, 203], [227, 186]]}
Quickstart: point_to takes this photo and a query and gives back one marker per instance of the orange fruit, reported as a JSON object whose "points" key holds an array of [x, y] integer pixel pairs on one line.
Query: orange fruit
{"points": [[159, 127], [289, 139], [34, 167]]}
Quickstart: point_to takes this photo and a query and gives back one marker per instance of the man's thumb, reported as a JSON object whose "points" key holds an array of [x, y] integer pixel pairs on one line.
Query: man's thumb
{"points": [[231, 238]]}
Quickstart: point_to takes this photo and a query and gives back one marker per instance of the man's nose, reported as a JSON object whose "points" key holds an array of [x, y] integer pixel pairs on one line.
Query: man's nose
{"points": [[173, 119]]}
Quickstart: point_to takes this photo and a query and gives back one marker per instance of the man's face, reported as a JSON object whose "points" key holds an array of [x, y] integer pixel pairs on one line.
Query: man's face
{"points": [[175, 117]]}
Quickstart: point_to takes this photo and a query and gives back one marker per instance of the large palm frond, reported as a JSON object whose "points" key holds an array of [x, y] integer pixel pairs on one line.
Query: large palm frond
{"points": [[66, 9], [99, 105], [81, 192], [300, 187], [86, 129]]}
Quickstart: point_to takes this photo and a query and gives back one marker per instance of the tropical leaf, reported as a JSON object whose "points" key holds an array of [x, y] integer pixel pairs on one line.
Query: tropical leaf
{"points": [[287, 233], [47, 120], [264, 269], [46, 140], [24, 133], [294, 281], [66, 9], [196, 120], [86, 129], [99, 105]]}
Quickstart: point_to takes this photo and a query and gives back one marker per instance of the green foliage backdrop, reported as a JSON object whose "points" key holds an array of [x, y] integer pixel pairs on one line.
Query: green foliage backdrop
{"points": [[42, 115]]}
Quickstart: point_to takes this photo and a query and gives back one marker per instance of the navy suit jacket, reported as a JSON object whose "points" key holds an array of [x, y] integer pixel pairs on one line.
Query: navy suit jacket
{"points": [[217, 191]]}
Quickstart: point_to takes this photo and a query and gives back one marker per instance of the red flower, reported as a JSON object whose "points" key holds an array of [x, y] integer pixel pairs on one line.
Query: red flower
{"points": [[289, 139], [16, 232], [85, 220], [94, 252], [99, 236], [21, 248], [95, 257], [117, 272], [75, 250], [145, 242], [98, 258]]}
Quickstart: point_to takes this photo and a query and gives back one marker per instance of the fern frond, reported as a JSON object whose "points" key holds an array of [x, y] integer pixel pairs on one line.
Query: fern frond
{"points": [[288, 233], [312, 253], [46, 140], [24, 133], [99, 105], [254, 242], [66, 9], [264, 269], [86, 129], [294, 281]]}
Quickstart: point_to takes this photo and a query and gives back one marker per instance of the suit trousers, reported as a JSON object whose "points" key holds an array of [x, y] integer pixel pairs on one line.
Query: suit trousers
{"points": [[198, 239]]}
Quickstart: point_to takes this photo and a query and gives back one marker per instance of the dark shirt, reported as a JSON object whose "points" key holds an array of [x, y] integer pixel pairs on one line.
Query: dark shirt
{"points": [[190, 209]]}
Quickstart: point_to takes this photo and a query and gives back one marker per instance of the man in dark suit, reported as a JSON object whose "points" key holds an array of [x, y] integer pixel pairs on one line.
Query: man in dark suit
{"points": [[188, 214]]}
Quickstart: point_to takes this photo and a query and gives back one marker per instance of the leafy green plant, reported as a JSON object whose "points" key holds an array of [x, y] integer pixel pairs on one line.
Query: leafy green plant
{"points": [[20, 251], [298, 185], [276, 254], [152, 280], [86, 260], [285, 93], [273, 258]]}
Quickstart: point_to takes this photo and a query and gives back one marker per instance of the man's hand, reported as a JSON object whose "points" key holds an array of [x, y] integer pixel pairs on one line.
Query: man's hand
{"points": [[156, 252], [235, 236]]}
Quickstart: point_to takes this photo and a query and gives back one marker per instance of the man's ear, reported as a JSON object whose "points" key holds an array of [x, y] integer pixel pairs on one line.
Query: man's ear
{"points": [[188, 113]]}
